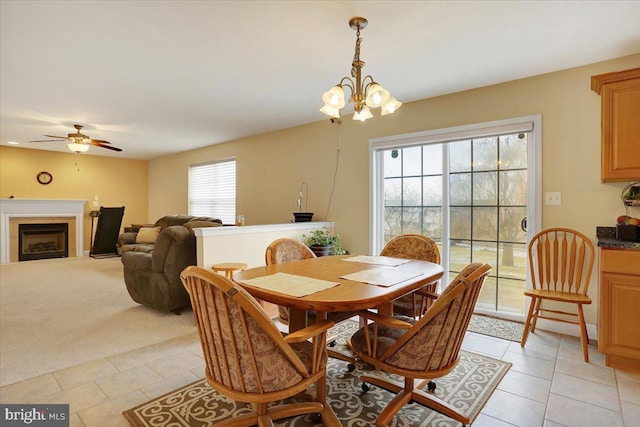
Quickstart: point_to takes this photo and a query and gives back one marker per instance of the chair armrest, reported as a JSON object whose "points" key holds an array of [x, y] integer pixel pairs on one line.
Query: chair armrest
{"points": [[427, 294], [308, 332], [385, 320]]}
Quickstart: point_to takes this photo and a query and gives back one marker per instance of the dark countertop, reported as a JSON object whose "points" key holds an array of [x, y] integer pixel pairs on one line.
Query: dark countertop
{"points": [[607, 239]]}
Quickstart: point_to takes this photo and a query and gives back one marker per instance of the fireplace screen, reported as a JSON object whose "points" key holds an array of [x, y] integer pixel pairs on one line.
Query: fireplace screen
{"points": [[41, 241]]}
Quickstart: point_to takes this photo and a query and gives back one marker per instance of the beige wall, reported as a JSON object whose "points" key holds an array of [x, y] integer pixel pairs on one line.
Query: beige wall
{"points": [[271, 167], [116, 181]]}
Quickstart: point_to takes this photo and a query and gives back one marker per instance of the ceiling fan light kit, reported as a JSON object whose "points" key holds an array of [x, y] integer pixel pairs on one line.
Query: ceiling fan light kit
{"points": [[80, 143], [78, 147], [365, 92]]}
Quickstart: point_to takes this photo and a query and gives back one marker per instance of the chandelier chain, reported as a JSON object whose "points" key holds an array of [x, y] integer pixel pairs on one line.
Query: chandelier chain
{"points": [[357, 64]]}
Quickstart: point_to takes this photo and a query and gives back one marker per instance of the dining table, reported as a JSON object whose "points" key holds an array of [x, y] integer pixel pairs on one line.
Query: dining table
{"points": [[337, 284]]}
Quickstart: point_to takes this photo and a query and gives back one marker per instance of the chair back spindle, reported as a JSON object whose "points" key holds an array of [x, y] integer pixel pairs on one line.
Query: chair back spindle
{"points": [[561, 260]]}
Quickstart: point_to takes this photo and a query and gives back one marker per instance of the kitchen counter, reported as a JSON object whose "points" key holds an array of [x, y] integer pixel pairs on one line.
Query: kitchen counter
{"points": [[607, 240]]}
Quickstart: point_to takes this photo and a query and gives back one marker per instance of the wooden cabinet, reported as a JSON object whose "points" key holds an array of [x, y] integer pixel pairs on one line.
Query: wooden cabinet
{"points": [[620, 93], [619, 313]]}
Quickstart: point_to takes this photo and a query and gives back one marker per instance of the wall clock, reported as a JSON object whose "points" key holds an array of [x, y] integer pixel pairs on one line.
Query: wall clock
{"points": [[44, 178]]}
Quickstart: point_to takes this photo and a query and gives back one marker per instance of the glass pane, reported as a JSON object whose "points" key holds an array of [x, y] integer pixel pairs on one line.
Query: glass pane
{"points": [[411, 220], [392, 165], [485, 154], [486, 253], [485, 188], [513, 151], [487, 297], [432, 159], [432, 191], [513, 188], [460, 256], [412, 191], [513, 260], [460, 156], [412, 161], [485, 223], [432, 223], [460, 227], [460, 189], [511, 296], [392, 223], [510, 224], [393, 192]]}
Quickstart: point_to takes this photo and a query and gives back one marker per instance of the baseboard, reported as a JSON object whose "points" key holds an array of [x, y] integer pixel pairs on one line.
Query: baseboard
{"points": [[567, 328]]}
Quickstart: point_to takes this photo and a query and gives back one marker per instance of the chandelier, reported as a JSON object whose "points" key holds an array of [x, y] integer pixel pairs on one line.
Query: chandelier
{"points": [[365, 92]]}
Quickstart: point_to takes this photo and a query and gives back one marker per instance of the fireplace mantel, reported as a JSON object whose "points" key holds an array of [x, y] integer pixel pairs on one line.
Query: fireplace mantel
{"points": [[30, 208]]}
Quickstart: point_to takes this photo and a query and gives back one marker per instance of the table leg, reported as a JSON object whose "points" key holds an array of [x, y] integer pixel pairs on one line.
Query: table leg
{"points": [[297, 319]]}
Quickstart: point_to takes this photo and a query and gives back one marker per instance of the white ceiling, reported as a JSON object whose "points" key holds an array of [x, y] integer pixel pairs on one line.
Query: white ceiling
{"points": [[159, 77]]}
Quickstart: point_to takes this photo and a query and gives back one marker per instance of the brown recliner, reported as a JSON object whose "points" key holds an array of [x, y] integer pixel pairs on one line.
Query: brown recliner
{"points": [[153, 278]]}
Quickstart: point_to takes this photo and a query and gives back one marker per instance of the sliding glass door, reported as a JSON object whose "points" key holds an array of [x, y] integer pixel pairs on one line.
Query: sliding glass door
{"points": [[470, 195]]}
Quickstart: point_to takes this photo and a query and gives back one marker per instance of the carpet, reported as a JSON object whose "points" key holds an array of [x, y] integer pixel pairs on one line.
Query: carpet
{"points": [[59, 313], [499, 328], [468, 387]]}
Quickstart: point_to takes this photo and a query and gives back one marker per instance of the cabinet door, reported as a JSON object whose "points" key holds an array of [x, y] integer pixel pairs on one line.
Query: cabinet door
{"points": [[620, 92], [619, 333], [621, 131]]}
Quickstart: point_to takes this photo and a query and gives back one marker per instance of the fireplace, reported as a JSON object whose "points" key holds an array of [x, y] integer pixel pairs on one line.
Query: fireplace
{"points": [[42, 241], [17, 212]]}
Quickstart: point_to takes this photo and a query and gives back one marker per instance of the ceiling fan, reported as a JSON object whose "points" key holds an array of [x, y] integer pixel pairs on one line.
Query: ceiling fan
{"points": [[78, 142]]}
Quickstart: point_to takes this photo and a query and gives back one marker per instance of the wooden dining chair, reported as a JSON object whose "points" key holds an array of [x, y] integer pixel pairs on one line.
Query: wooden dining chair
{"points": [[560, 261], [414, 246], [289, 250], [424, 349], [286, 250], [249, 360]]}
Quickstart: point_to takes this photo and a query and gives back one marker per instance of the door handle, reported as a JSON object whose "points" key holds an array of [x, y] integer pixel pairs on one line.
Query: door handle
{"points": [[523, 224]]}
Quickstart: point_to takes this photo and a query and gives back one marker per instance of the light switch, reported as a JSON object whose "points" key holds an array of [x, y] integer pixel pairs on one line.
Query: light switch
{"points": [[554, 198]]}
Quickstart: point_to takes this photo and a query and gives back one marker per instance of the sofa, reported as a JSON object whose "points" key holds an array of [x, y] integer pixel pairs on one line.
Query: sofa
{"points": [[152, 265]]}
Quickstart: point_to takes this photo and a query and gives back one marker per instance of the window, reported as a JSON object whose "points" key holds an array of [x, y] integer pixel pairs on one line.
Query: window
{"points": [[472, 190], [212, 190]]}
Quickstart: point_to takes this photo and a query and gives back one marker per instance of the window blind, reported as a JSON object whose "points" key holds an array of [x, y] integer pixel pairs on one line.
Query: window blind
{"points": [[212, 190]]}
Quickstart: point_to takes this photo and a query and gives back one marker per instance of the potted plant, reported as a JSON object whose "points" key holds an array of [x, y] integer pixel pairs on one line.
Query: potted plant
{"points": [[322, 243]]}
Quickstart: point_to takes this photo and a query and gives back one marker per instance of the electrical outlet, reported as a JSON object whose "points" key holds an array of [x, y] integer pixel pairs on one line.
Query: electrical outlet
{"points": [[553, 198]]}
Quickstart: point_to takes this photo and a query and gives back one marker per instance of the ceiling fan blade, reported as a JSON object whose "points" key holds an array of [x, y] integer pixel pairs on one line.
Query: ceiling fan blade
{"points": [[54, 136], [101, 141], [110, 147], [50, 140]]}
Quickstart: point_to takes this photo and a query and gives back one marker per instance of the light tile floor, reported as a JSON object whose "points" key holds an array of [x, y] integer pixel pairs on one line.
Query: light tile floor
{"points": [[548, 385]]}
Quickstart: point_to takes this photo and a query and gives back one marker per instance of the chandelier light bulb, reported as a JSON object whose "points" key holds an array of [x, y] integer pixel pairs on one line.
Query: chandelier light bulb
{"points": [[334, 97], [331, 111], [390, 106], [363, 114], [376, 95]]}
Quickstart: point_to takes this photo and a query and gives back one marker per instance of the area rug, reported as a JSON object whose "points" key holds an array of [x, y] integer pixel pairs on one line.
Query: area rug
{"points": [[467, 387], [499, 328]]}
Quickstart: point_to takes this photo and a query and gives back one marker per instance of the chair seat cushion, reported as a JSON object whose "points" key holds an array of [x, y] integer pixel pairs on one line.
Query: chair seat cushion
{"points": [[387, 336], [558, 296], [136, 247]]}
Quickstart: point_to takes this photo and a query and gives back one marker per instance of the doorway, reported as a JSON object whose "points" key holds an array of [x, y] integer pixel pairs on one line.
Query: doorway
{"points": [[471, 189]]}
